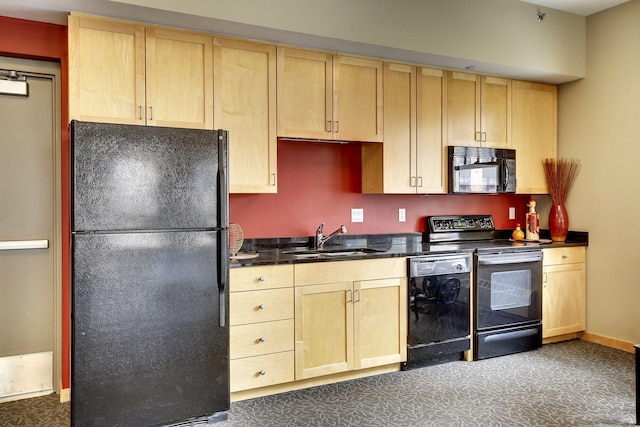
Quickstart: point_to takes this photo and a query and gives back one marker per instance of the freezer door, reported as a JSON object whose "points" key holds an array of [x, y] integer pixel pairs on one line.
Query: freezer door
{"points": [[146, 178], [147, 346]]}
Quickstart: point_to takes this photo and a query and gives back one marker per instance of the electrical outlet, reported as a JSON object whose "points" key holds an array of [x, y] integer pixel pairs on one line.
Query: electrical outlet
{"points": [[512, 212], [357, 215], [402, 215]]}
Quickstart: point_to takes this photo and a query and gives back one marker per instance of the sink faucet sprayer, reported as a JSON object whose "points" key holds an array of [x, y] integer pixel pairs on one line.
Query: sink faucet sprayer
{"points": [[321, 240]]}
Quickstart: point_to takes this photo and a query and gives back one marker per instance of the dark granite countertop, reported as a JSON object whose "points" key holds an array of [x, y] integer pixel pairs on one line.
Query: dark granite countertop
{"points": [[271, 251]]}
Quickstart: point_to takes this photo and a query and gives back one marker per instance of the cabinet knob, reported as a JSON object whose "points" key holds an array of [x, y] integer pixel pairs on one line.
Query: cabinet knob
{"points": [[262, 339], [261, 307], [262, 278], [565, 256], [263, 372]]}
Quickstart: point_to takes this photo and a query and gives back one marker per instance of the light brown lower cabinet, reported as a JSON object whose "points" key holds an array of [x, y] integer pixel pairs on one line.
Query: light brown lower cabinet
{"points": [[356, 319], [261, 326], [563, 291]]}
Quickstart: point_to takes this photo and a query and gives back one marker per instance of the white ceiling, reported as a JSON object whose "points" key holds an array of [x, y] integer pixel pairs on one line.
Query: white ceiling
{"points": [[578, 7]]}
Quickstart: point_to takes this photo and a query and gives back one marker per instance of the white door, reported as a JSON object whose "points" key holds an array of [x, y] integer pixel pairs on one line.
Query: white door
{"points": [[29, 228]]}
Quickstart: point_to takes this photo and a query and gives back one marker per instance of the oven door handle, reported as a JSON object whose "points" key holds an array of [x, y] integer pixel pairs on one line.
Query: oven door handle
{"points": [[509, 259]]}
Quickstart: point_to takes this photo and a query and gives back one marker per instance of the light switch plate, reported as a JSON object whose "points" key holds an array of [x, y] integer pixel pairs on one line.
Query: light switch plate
{"points": [[402, 215], [357, 215], [512, 212]]}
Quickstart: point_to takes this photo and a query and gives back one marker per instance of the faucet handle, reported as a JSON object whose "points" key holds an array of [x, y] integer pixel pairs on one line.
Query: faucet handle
{"points": [[319, 230]]}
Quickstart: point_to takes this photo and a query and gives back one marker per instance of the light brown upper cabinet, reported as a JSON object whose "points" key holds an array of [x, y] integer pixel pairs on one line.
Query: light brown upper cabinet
{"points": [[534, 133], [245, 105], [121, 72], [431, 152], [411, 158], [328, 96], [479, 110]]}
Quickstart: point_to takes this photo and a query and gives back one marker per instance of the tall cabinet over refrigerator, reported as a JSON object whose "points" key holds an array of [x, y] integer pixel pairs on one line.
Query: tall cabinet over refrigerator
{"points": [[150, 338]]}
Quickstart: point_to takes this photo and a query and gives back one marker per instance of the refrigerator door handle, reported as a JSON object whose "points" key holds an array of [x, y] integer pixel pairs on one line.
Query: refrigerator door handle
{"points": [[223, 179], [223, 275], [223, 221]]}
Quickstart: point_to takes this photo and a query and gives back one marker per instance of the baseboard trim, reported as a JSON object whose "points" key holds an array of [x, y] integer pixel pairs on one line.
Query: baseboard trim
{"points": [[559, 338], [65, 395], [607, 341], [312, 382]]}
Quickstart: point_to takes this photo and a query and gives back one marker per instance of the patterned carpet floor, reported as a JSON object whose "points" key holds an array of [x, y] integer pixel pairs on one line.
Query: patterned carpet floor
{"points": [[573, 383]]}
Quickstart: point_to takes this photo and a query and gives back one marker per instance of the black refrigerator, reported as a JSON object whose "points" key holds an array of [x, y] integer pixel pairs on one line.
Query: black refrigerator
{"points": [[150, 247]]}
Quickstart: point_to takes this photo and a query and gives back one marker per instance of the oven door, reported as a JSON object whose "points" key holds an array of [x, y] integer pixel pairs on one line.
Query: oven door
{"points": [[508, 289]]}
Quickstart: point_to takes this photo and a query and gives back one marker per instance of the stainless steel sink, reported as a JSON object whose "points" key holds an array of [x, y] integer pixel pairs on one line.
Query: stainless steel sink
{"points": [[311, 253]]}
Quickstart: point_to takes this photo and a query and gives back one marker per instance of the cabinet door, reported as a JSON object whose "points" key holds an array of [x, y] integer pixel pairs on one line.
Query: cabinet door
{"points": [[305, 84], [478, 110], [495, 112], [357, 99], [106, 71], [245, 105], [534, 133], [324, 329], [463, 109], [390, 167], [179, 79], [563, 299], [430, 154], [380, 322]]}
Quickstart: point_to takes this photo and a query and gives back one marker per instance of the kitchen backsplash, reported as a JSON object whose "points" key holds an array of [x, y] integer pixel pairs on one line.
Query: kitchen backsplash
{"points": [[322, 182]]}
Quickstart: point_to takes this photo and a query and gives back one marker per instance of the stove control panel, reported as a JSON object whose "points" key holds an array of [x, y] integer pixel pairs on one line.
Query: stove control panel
{"points": [[438, 265], [463, 223]]}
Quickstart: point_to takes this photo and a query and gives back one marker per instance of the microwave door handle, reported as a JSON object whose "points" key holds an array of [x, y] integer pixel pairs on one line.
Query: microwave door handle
{"points": [[505, 170]]}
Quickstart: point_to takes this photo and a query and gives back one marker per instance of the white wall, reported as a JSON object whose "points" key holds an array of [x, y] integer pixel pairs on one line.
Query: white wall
{"points": [[599, 119], [498, 36]]}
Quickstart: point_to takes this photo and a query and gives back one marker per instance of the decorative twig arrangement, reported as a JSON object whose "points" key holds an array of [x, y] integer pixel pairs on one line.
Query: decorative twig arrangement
{"points": [[560, 175]]}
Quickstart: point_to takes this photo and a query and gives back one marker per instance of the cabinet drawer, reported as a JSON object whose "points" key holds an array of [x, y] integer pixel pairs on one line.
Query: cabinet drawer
{"points": [[349, 271], [567, 255], [261, 371], [261, 338], [262, 277], [260, 306]]}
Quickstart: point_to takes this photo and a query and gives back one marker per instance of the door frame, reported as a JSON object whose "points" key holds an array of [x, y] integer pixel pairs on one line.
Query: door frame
{"points": [[50, 70]]}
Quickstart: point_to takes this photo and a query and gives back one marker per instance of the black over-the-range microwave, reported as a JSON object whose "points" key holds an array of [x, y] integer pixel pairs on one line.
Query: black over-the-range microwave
{"points": [[481, 170]]}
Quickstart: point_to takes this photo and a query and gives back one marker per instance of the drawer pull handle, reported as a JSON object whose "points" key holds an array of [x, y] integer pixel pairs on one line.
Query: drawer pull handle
{"points": [[565, 256], [262, 339], [263, 372], [262, 278], [261, 307]]}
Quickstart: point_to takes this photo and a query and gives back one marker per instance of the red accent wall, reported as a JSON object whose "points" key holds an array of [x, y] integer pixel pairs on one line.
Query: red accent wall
{"points": [[321, 182], [48, 42]]}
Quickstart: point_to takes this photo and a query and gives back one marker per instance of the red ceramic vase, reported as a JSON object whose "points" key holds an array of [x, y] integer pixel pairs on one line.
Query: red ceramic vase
{"points": [[558, 223]]}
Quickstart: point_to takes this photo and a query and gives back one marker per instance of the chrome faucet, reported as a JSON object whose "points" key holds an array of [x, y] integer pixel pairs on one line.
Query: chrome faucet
{"points": [[321, 240]]}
